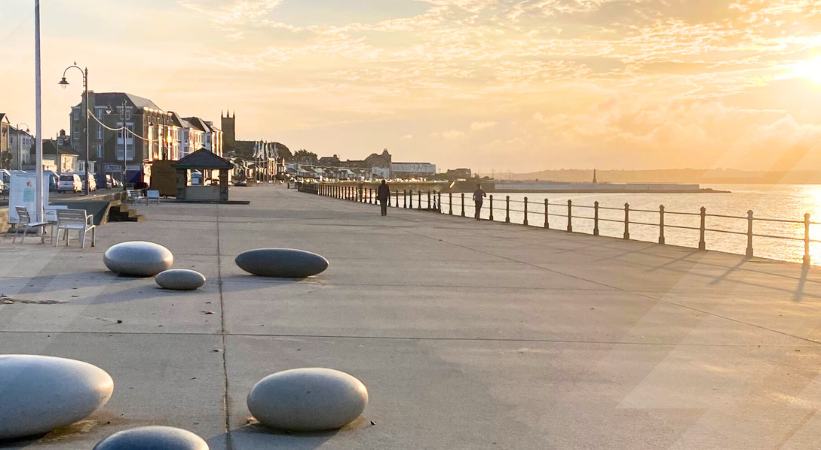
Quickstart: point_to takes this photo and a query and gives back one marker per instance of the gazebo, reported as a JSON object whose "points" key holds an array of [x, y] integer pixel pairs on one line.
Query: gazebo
{"points": [[203, 160]]}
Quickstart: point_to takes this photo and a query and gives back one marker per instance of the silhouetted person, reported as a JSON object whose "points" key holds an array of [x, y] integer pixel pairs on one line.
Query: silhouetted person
{"points": [[478, 198], [382, 194]]}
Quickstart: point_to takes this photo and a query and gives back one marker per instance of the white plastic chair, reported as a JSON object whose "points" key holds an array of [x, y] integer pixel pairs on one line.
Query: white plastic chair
{"points": [[75, 220], [24, 220]]}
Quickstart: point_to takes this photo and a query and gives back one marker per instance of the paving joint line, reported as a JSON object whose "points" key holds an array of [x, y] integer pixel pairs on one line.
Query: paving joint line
{"points": [[225, 400]]}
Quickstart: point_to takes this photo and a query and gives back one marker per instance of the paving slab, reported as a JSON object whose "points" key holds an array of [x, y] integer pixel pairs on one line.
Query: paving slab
{"points": [[468, 335]]}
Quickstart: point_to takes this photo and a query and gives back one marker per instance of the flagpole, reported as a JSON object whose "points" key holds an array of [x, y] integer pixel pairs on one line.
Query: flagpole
{"points": [[38, 116]]}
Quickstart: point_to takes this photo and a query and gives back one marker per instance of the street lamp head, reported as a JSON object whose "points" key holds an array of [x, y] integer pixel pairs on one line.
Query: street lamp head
{"points": [[108, 110], [63, 83]]}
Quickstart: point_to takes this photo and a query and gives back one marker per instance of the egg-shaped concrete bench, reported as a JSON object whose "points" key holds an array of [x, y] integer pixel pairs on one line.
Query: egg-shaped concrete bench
{"points": [[138, 258], [41, 393], [180, 279], [153, 438], [281, 262], [309, 399]]}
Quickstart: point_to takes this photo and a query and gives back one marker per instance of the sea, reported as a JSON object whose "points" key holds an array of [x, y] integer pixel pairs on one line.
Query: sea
{"points": [[786, 203]]}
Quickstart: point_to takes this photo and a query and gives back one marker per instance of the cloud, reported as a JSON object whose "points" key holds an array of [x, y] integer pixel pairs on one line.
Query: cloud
{"points": [[449, 135], [478, 126]]}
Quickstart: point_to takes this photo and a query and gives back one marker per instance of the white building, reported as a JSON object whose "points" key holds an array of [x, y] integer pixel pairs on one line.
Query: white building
{"points": [[412, 169], [20, 144]]}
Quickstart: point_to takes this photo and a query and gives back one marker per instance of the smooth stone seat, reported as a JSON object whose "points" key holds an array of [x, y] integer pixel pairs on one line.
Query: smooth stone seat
{"points": [[281, 262], [138, 258], [310, 399], [153, 438], [41, 393], [180, 279]]}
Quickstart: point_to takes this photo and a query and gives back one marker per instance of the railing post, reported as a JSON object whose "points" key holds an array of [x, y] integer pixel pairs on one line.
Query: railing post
{"points": [[507, 209], [595, 218], [463, 204], [627, 221], [807, 238], [525, 221], [397, 198], [429, 199], [405, 198], [439, 201], [570, 215], [490, 211], [749, 252], [419, 199], [661, 224], [702, 245], [546, 214], [450, 203], [410, 197], [389, 199]]}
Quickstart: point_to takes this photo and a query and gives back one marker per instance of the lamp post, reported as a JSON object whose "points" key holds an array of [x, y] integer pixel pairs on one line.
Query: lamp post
{"points": [[38, 118], [20, 144], [63, 82]]}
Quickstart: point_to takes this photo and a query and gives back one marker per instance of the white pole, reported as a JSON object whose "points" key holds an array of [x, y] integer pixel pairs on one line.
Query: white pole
{"points": [[38, 116]]}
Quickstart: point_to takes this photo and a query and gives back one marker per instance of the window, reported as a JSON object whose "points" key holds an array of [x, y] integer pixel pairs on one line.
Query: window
{"points": [[129, 142]]}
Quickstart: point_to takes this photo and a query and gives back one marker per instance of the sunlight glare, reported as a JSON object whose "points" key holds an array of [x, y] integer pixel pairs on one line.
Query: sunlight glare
{"points": [[809, 70]]}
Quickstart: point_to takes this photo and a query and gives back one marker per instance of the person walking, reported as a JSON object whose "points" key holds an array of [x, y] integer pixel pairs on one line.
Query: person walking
{"points": [[382, 194], [478, 198]]}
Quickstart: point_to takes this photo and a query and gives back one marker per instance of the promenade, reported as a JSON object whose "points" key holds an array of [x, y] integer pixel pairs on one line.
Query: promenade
{"points": [[468, 335]]}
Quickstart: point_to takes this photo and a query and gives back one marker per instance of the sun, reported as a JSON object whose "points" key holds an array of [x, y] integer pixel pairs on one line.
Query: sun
{"points": [[809, 70]]}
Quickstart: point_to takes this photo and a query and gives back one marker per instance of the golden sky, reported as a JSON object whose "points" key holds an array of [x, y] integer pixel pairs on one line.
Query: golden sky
{"points": [[489, 84]]}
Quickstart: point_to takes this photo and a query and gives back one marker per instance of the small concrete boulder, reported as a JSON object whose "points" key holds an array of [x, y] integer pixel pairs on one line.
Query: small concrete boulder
{"points": [[281, 262], [153, 438], [138, 258], [310, 399], [180, 279], [41, 393]]}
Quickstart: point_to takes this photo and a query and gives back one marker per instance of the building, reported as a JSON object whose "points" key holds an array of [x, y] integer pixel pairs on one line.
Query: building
{"points": [[229, 130], [458, 174], [189, 136], [21, 147], [5, 156], [59, 156], [149, 137], [211, 135], [413, 170]]}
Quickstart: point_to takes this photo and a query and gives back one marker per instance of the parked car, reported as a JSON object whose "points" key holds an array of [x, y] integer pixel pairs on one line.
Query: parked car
{"points": [[70, 182], [2, 187]]}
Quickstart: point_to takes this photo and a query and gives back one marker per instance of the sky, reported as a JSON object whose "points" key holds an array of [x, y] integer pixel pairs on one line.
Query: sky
{"points": [[504, 85]]}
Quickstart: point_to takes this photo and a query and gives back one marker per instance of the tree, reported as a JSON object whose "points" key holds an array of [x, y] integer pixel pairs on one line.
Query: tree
{"points": [[303, 156], [284, 152]]}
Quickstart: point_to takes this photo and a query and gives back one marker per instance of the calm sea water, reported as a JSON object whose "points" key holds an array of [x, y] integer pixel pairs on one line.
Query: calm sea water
{"points": [[766, 201]]}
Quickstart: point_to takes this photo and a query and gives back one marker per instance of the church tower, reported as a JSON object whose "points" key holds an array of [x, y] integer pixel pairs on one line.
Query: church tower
{"points": [[229, 130]]}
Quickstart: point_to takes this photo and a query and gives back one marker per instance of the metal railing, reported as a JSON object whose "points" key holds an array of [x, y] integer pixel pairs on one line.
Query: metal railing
{"points": [[454, 204]]}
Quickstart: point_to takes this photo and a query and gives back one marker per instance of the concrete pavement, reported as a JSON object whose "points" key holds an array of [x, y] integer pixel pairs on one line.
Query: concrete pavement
{"points": [[468, 336]]}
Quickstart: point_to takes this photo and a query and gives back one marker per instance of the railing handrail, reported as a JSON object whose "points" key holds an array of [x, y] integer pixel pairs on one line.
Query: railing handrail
{"points": [[363, 192]]}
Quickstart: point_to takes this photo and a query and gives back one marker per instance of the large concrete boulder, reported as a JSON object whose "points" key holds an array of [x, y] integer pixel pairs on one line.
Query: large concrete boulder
{"points": [[138, 258], [180, 279], [281, 262], [310, 399], [153, 438], [41, 393]]}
